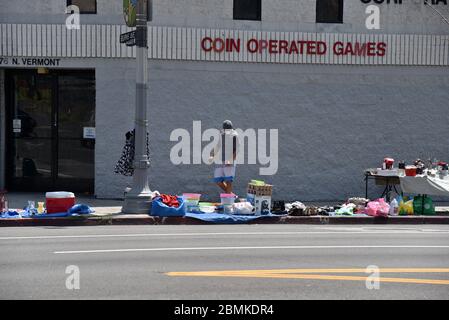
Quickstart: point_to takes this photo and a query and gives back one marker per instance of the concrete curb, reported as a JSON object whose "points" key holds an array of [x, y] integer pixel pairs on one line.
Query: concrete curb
{"points": [[149, 220]]}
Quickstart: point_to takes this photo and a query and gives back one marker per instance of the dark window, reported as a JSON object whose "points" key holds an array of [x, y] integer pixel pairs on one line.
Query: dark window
{"points": [[248, 10], [86, 6], [329, 11]]}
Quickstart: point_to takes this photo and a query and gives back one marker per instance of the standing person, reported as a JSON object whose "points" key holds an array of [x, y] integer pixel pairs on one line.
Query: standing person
{"points": [[224, 155]]}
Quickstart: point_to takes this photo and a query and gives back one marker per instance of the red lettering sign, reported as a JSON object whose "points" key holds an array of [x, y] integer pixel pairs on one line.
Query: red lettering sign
{"points": [[302, 47]]}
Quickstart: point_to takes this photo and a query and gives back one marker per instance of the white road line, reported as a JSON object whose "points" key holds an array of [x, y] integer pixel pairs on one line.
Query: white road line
{"points": [[208, 234], [249, 248]]}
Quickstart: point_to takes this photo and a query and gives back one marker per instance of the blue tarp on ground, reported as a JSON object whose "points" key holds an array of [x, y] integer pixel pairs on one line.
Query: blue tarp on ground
{"points": [[226, 218], [76, 210]]}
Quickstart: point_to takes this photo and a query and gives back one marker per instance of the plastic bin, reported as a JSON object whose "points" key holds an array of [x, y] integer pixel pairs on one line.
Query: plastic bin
{"points": [[192, 201], [410, 171], [227, 198]]}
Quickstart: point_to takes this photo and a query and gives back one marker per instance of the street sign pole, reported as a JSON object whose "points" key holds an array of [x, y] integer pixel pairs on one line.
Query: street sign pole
{"points": [[138, 199]]}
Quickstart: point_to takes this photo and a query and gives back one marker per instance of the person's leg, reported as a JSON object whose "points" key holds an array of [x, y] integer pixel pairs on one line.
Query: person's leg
{"points": [[228, 187], [229, 174], [222, 185], [218, 177]]}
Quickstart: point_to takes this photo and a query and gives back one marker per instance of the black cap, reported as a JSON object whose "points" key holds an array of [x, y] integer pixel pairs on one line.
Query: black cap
{"points": [[227, 124]]}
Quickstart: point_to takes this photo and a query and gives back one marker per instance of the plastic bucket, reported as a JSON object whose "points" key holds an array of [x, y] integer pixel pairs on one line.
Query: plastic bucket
{"points": [[191, 196], [191, 199], [410, 171], [227, 199]]}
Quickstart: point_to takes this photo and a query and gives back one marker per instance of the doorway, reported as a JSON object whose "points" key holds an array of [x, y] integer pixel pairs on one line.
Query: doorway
{"points": [[50, 125]]}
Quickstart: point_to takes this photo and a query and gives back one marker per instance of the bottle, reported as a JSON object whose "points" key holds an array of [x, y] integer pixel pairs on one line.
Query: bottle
{"points": [[40, 208], [3, 201], [394, 208]]}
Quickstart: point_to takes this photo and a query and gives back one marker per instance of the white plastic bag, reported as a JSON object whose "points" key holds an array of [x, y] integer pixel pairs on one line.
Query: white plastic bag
{"points": [[243, 208]]}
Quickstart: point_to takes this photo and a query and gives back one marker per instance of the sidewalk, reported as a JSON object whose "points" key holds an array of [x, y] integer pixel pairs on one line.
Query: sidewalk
{"points": [[108, 212]]}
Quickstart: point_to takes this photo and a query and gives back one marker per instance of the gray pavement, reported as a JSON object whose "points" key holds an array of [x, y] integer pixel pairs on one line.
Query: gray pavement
{"points": [[133, 262]]}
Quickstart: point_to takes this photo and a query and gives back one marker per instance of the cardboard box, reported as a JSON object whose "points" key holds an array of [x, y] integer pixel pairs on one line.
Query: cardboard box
{"points": [[264, 190], [262, 204]]}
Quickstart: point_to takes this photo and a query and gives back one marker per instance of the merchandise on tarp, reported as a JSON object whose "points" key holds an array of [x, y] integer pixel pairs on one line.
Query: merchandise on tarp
{"points": [[346, 210], [311, 211], [326, 210], [423, 205], [169, 200], [80, 209], [160, 209], [296, 208], [358, 201], [59, 201], [394, 207], [259, 195], [10, 214], [278, 207], [192, 201], [207, 207], [377, 208], [243, 208], [31, 213], [360, 204], [227, 201], [406, 208], [40, 208]]}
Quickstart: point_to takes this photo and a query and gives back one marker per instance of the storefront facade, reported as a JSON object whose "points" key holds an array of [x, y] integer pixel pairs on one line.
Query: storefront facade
{"points": [[341, 96]]}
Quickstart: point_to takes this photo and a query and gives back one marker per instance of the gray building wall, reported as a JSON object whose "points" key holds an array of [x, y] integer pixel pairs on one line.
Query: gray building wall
{"points": [[277, 15], [333, 121]]}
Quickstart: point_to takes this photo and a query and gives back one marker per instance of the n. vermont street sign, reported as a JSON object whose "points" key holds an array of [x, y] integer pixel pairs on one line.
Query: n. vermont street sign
{"points": [[129, 38]]}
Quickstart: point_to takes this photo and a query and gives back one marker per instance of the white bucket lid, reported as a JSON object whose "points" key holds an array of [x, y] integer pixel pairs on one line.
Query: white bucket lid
{"points": [[59, 195]]}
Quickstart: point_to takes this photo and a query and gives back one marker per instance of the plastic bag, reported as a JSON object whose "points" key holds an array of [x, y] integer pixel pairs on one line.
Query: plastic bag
{"points": [[81, 209], [425, 209], [345, 210], [384, 208], [160, 209], [377, 208], [406, 208], [243, 208]]}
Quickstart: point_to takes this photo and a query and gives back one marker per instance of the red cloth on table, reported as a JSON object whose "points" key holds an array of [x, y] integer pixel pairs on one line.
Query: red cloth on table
{"points": [[169, 200]]}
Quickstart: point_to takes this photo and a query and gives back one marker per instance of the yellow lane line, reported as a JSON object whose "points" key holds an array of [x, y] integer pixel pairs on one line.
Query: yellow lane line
{"points": [[288, 271], [335, 278], [299, 274]]}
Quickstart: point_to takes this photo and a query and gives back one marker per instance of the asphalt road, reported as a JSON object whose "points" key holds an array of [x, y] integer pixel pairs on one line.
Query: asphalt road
{"points": [[257, 262]]}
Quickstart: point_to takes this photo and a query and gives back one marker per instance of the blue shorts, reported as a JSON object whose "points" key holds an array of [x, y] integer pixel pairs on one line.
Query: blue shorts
{"points": [[224, 173]]}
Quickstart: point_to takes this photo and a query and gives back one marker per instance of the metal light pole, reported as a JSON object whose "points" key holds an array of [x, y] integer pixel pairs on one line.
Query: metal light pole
{"points": [[138, 199]]}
